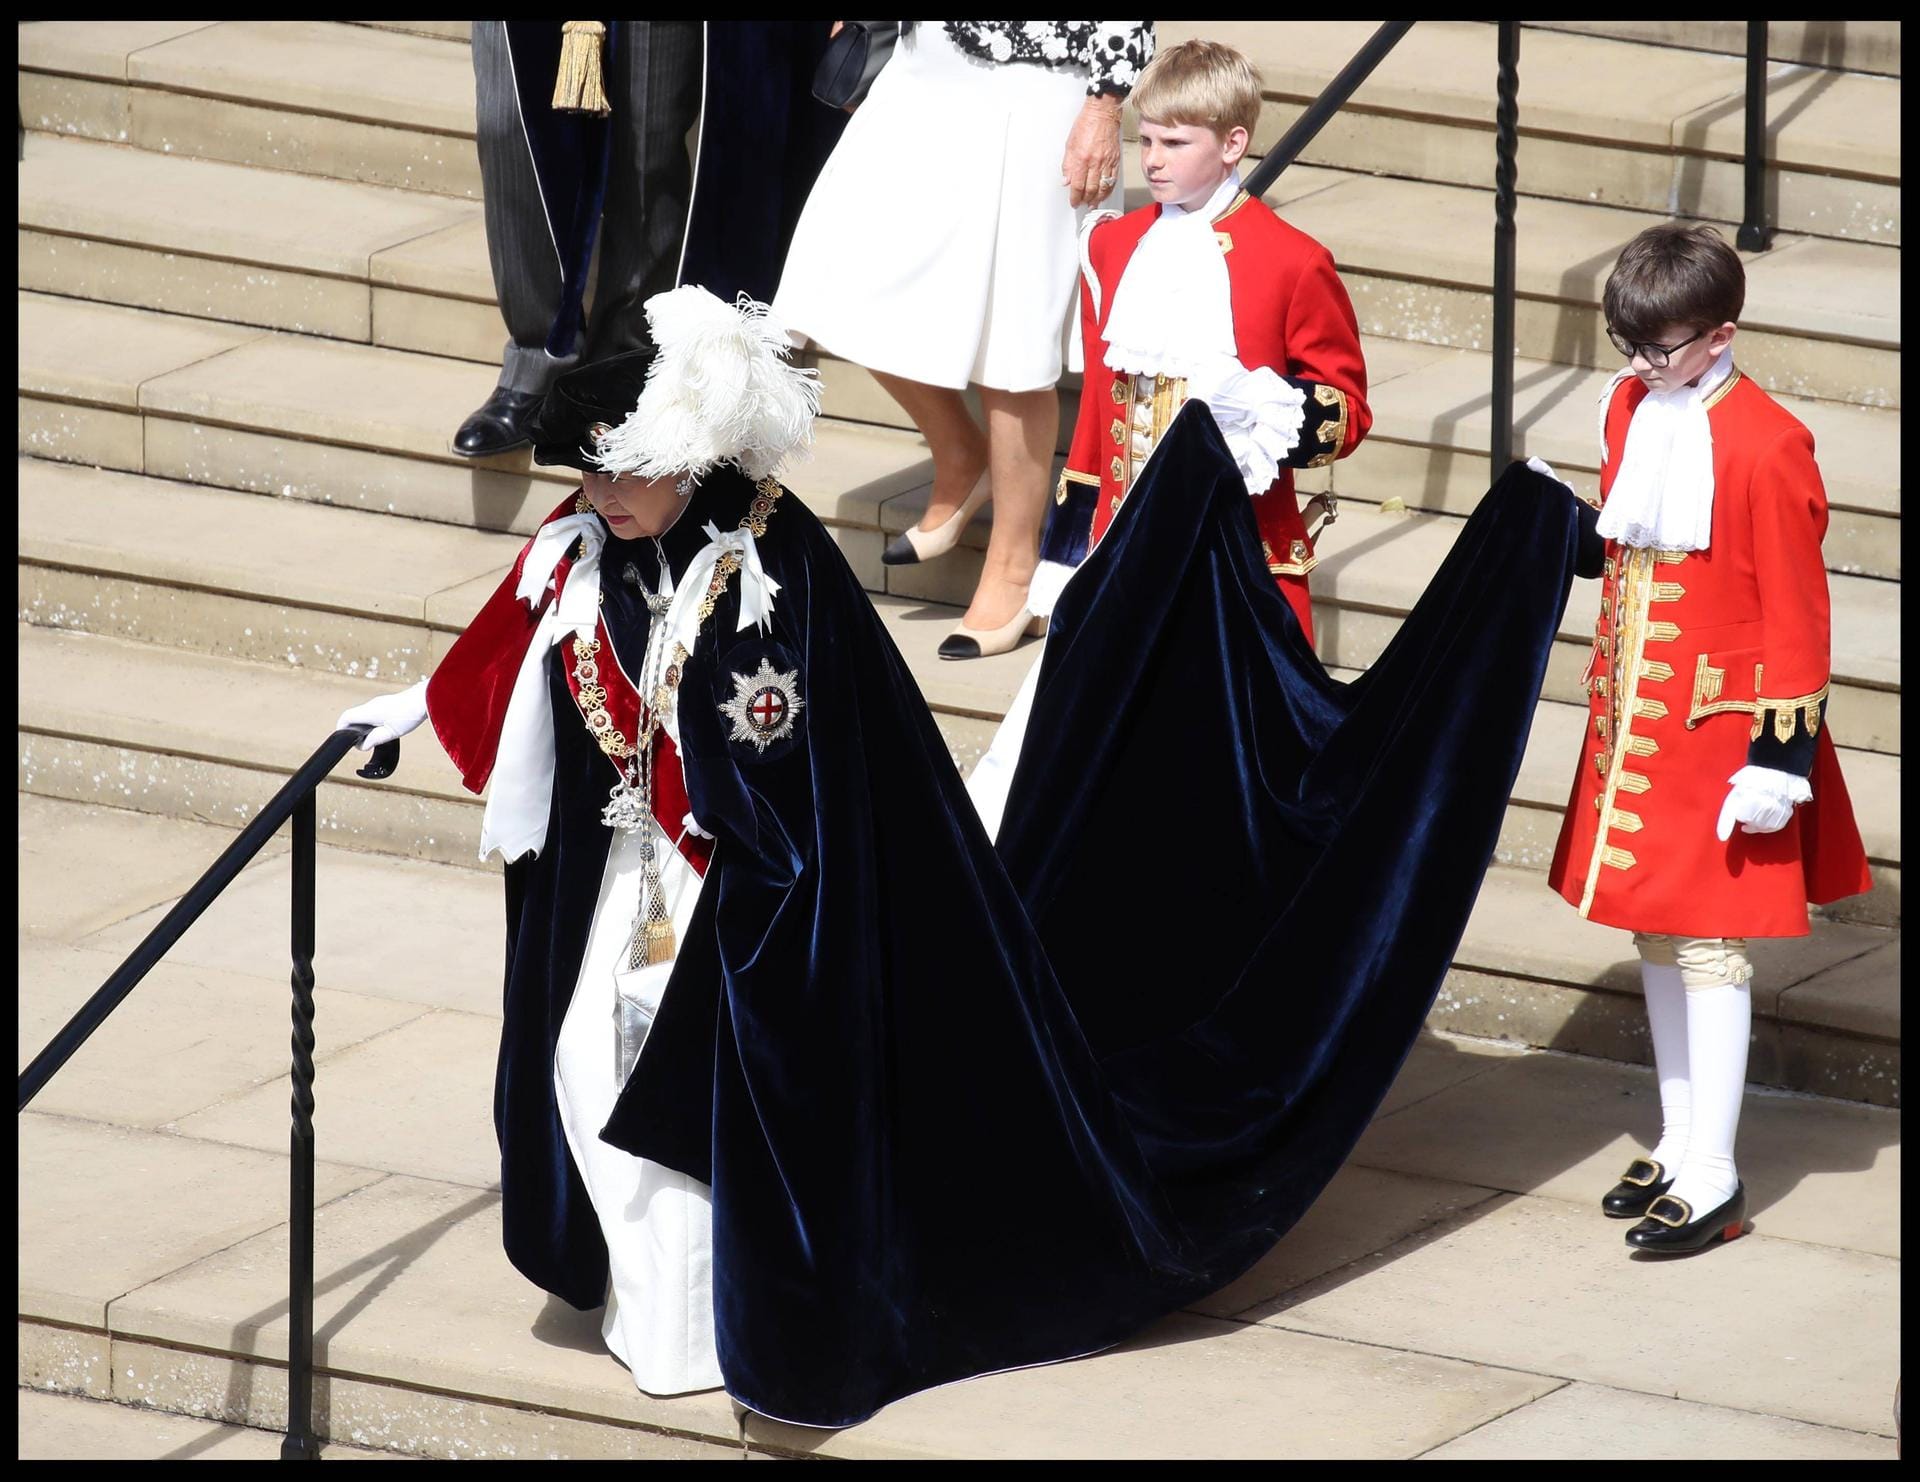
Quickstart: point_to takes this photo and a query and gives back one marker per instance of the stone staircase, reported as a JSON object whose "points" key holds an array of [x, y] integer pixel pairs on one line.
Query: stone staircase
{"points": [[251, 263], [254, 302]]}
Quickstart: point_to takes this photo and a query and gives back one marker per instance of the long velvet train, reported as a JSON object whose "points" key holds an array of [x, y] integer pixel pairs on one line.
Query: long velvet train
{"points": [[1250, 878], [960, 1117]]}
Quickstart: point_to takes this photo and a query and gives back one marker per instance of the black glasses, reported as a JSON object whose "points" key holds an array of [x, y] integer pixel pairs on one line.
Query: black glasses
{"points": [[1654, 355]]}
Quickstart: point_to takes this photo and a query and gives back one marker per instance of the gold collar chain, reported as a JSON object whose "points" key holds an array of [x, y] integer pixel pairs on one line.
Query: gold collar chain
{"points": [[592, 695]]}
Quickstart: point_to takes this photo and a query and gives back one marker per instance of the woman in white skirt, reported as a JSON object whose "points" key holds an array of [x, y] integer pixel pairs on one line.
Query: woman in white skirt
{"points": [[939, 249]]}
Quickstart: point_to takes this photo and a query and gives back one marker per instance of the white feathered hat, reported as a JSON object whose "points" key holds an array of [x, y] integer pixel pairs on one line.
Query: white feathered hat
{"points": [[719, 390]]}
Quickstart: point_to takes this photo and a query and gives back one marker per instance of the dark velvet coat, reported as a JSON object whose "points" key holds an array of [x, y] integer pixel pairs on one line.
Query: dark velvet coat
{"points": [[964, 1111]]}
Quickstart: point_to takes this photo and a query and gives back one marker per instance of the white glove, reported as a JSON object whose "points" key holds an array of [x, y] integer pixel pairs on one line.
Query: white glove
{"points": [[692, 826], [1761, 801], [391, 716], [1540, 465]]}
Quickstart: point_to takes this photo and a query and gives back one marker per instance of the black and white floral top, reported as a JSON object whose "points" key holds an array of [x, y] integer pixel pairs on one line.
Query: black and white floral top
{"points": [[1114, 52]]}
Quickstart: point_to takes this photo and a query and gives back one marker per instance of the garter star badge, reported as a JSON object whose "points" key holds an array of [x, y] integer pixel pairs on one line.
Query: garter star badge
{"points": [[764, 705]]}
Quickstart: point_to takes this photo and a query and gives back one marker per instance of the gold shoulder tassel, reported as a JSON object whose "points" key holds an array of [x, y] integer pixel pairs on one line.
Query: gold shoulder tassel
{"points": [[578, 88]]}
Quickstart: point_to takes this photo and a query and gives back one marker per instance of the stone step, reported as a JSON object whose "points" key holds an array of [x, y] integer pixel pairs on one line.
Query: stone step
{"points": [[1821, 317], [178, 725], [1854, 46], [365, 428], [348, 102], [1375, 562], [1479, 1171], [455, 31], [392, 106], [1826, 1008], [272, 580], [219, 241], [1601, 120], [1431, 430], [310, 417], [60, 1427], [864, 482], [117, 224], [351, 425], [868, 483]]}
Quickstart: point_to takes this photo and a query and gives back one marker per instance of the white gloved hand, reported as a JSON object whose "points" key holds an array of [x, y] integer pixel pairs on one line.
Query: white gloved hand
{"points": [[692, 826], [391, 716], [1540, 465], [1761, 801]]}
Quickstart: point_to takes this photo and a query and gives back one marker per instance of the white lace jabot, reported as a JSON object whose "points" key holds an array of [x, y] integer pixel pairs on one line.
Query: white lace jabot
{"points": [[1173, 307], [1662, 496]]}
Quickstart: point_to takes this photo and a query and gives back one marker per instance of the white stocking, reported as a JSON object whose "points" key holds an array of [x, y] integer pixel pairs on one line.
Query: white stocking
{"points": [[1719, 1020], [1667, 1019]]}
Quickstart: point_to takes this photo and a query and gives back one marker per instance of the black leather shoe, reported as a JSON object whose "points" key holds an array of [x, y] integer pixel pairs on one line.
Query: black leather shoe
{"points": [[1670, 1225], [1642, 1183], [498, 426]]}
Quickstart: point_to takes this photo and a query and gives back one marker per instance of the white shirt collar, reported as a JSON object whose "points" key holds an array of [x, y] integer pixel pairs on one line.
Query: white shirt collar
{"points": [[1216, 203]]}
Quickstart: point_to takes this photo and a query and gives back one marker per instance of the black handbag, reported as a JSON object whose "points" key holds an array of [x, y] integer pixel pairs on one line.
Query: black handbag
{"points": [[852, 60]]}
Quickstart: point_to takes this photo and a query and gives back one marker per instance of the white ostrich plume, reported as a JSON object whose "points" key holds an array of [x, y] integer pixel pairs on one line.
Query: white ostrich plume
{"points": [[719, 390]]}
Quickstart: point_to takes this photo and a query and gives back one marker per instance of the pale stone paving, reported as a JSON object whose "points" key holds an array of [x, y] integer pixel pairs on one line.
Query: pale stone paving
{"points": [[1455, 1291], [282, 313]]}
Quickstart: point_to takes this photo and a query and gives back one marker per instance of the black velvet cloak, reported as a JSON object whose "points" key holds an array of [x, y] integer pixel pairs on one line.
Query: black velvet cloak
{"points": [[962, 1111]]}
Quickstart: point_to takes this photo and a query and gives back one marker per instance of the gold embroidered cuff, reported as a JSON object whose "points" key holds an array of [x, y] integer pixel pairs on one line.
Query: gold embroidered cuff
{"points": [[1709, 681], [1072, 476], [1332, 433]]}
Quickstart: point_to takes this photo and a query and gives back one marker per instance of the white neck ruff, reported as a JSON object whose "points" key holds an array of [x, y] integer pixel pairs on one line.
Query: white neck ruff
{"points": [[1662, 497], [1173, 308]]}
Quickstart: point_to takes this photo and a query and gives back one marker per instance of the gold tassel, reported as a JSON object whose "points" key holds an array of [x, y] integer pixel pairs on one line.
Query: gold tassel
{"points": [[578, 87], [653, 938]]}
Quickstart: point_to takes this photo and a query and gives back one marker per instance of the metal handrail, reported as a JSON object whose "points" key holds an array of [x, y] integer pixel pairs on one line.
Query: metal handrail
{"points": [[1506, 173], [1756, 232], [1322, 108], [295, 802], [1755, 235]]}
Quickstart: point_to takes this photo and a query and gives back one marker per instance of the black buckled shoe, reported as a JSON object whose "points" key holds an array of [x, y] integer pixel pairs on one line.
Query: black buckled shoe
{"points": [[1642, 1183], [499, 425], [1670, 1226]]}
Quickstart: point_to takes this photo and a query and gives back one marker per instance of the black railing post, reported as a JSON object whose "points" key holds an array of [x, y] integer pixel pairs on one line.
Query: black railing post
{"points": [[300, 1444], [1755, 234], [1505, 179]]}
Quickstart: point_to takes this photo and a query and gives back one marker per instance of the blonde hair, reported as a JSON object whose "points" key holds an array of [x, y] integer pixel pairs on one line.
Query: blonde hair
{"points": [[1203, 83]]}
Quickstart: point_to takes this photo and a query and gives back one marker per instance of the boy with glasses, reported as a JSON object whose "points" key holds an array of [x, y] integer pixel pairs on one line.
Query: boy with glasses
{"points": [[1708, 806]]}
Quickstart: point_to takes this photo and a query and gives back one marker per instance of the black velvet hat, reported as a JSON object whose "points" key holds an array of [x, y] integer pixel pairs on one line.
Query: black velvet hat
{"points": [[585, 402]]}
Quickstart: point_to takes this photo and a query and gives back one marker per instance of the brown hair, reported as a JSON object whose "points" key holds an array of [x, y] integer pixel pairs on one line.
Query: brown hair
{"points": [[1202, 83], [1674, 274]]}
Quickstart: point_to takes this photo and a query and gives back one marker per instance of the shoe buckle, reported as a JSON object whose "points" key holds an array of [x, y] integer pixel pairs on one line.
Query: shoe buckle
{"points": [[1640, 1180], [1672, 1222]]}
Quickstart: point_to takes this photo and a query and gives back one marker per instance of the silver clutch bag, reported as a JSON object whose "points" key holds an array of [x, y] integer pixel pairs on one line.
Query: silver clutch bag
{"points": [[636, 999]]}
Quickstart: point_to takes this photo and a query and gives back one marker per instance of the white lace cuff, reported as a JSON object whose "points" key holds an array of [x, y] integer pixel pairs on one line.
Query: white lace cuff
{"points": [[1260, 415]]}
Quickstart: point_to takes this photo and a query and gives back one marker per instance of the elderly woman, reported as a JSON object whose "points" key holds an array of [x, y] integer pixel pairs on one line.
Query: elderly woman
{"points": [[939, 250]]}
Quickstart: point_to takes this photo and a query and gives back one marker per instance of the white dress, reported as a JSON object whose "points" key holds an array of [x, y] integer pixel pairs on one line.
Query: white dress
{"points": [[658, 1223], [939, 243]]}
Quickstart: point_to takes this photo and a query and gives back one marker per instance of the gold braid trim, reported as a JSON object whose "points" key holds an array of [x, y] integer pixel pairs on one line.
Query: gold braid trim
{"points": [[1069, 476], [1784, 712], [1707, 684], [1333, 432]]}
